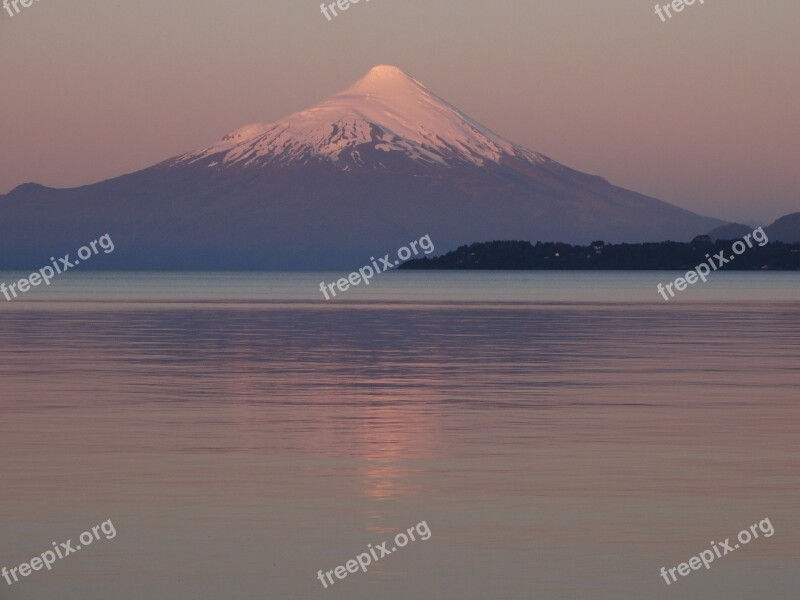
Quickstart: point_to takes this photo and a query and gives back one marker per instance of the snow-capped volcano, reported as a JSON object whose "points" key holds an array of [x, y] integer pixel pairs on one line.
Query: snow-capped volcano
{"points": [[379, 164], [385, 111]]}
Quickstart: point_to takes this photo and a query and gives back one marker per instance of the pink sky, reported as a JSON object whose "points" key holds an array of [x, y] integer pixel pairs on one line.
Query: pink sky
{"points": [[701, 111]]}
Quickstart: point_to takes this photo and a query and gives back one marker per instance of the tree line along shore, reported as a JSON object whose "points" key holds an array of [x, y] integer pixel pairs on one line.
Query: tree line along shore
{"points": [[598, 256]]}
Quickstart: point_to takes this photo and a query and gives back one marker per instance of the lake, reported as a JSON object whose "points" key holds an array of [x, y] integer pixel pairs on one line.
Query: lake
{"points": [[564, 435]]}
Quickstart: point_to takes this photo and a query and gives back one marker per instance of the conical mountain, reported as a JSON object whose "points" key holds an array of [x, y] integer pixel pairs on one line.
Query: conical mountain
{"points": [[364, 172]]}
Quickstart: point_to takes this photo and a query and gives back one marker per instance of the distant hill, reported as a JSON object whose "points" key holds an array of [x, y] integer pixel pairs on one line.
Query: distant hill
{"points": [[520, 255], [786, 229], [731, 231]]}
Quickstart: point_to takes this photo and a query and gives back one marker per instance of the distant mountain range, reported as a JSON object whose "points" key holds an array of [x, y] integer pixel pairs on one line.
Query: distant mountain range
{"points": [[786, 229], [360, 174]]}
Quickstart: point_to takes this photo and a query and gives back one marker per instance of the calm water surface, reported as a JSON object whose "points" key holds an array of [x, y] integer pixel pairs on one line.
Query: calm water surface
{"points": [[564, 435]]}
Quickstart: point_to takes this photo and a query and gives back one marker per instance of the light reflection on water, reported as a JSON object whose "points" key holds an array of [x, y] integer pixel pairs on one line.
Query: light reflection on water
{"points": [[243, 435]]}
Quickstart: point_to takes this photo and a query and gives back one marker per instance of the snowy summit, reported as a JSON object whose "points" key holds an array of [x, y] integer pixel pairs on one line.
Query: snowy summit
{"points": [[385, 111]]}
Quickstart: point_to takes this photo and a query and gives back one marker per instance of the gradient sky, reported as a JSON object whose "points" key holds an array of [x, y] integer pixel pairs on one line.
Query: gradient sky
{"points": [[701, 111]]}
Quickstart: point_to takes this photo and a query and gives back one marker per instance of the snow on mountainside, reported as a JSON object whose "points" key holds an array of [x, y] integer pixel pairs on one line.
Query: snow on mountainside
{"points": [[387, 110]]}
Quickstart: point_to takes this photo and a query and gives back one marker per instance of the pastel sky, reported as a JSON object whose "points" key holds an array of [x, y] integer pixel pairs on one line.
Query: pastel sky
{"points": [[701, 111]]}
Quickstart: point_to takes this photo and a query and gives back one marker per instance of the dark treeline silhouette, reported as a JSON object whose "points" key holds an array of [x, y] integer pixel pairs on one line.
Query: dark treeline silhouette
{"points": [[520, 255]]}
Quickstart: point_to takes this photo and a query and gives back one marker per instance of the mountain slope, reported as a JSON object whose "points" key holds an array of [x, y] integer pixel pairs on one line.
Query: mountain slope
{"points": [[786, 229], [360, 174]]}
